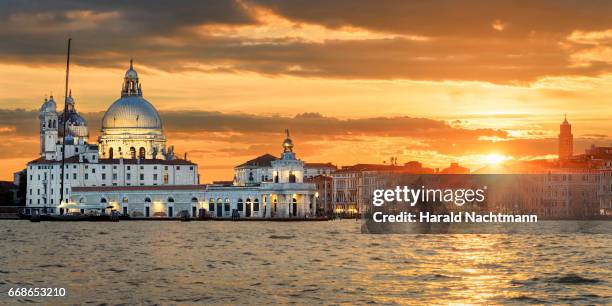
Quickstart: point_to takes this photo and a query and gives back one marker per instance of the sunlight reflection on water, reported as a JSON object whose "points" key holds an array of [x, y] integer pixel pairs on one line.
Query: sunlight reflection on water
{"points": [[305, 263]]}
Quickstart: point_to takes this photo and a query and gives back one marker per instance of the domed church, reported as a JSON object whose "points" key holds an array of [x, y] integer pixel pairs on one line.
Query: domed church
{"points": [[132, 127], [133, 171]]}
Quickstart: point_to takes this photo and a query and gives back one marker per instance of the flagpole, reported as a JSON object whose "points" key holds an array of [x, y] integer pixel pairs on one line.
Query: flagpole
{"points": [[64, 119]]}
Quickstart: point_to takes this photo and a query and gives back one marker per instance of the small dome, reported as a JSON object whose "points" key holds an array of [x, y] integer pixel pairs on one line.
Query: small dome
{"points": [[48, 106], [132, 112], [76, 125], [288, 145], [131, 72]]}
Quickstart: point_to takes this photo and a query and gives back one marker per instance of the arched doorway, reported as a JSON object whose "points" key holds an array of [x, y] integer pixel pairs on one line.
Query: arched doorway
{"points": [[247, 213], [170, 207], [194, 205], [141, 153], [219, 207], [211, 205], [240, 205], [147, 207], [256, 206]]}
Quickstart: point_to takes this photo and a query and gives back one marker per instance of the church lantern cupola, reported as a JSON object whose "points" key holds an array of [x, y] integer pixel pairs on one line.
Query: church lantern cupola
{"points": [[131, 86]]}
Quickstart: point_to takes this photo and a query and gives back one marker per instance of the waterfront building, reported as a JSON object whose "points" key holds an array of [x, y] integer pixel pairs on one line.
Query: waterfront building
{"points": [[132, 170], [131, 127], [324, 185], [285, 196], [260, 169]]}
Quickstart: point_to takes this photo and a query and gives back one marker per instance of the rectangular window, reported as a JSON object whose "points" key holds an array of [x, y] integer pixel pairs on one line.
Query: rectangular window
{"points": [[128, 167], [142, 176], [86, 176], [103, 176], [114, 176], [74, 176], [191, 168], [141, 167], [128, 176], [93, 170], [178, 167], [155, 177]]}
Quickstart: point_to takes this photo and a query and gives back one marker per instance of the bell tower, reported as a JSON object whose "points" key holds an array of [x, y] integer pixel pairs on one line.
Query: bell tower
{"points": [[566, 140], [48, 128]]}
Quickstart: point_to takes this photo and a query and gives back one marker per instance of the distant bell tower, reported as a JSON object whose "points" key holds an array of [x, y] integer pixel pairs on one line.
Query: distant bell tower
{"points": [[48, 117], [566, 140]]}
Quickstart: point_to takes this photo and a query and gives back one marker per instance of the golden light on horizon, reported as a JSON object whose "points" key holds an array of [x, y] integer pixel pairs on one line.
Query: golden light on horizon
{"points": [[495, 159]]}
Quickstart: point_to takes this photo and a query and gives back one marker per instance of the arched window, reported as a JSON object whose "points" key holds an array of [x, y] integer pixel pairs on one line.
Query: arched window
{"points": [[194, 199], [110, 153], [170, 200], [125, 200], [291, 177], [147, 200], [103, 201], [132, 152], [211, 204], [82, 200], [251, 177], [240, 205], [226, 207], [256, 205], [141, 153]]}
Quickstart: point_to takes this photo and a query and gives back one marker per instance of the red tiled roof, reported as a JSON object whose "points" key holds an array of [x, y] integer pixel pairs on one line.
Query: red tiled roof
{"points": [[261, 161], [320, 165]]}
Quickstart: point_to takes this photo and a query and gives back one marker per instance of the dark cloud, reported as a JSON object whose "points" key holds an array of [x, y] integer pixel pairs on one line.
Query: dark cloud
{"points": [[25, 123], [443, 18], [462, 43]]}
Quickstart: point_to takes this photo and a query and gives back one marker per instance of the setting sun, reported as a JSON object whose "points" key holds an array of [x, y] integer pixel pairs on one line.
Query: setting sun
{"points": [[495, 159]]}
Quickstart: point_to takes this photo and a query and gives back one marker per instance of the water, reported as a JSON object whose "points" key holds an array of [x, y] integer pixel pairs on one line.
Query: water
{"points": [[304, 263]]}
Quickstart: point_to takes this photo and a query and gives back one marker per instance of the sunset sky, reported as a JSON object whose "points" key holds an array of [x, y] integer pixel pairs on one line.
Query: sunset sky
{"points": [[354, 81]]}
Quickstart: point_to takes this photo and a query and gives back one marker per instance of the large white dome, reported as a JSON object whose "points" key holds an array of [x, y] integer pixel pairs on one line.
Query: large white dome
{"points": [[131, 112]]}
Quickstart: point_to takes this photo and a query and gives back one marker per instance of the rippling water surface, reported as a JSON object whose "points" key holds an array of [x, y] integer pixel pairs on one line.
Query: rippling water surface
{"points": [[301, 262]]}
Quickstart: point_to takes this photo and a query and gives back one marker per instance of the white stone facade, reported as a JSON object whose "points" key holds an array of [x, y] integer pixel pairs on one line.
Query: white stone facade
{"points": [[131, 169]]}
